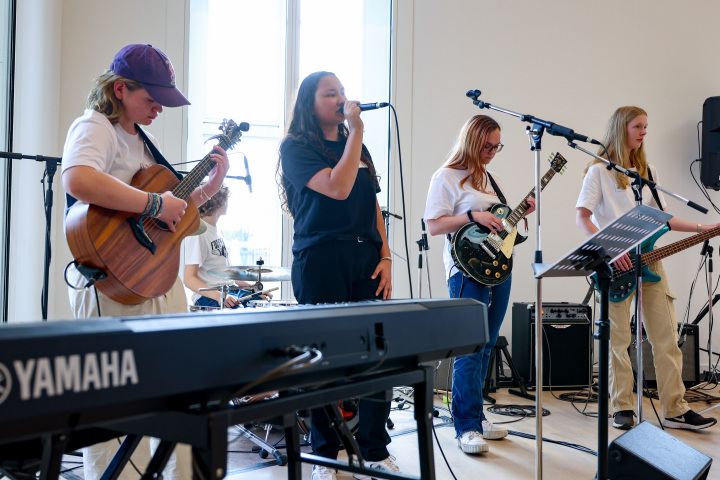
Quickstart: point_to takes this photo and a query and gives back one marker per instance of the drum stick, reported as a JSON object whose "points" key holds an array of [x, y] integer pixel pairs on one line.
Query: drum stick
{"points": [[263, 292]]}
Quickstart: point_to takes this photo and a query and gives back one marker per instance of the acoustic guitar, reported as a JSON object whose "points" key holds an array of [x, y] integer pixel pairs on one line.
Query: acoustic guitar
{"points": [[624, 282], [140, 256], [487, 257]]}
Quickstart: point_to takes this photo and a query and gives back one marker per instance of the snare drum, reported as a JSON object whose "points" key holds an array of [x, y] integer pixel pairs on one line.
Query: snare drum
{"points": [[271, 303], [201, 308]]}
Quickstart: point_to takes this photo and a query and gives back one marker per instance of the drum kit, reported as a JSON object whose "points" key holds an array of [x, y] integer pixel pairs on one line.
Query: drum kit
{"points": [[255, 273]]}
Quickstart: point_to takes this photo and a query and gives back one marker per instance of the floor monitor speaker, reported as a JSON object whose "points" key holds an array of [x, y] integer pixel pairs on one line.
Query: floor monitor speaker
{"points": [[647, 452]]}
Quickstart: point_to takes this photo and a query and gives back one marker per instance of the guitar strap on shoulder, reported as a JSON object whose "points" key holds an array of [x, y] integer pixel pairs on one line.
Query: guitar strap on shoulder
{"points": [[156, 153], [656, 196], [500, 195], [653, 191]]}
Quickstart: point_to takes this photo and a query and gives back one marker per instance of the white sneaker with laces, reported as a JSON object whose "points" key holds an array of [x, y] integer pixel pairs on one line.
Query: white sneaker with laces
{"points": [[472, 442], [387, 465], [320, 472], [492, 431]]}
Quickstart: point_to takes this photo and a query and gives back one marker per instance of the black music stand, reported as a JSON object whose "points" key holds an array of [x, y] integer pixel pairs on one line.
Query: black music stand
{"points": [[595, 256]]}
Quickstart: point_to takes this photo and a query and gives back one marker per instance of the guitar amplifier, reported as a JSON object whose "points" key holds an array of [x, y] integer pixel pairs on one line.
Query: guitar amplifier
{"points": [[690, 348], [567, 344]]}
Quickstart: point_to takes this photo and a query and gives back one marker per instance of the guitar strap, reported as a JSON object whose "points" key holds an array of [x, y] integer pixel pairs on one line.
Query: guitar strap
{"points": [[654, 192], [156, 153], [70, 200], [500, 195]]}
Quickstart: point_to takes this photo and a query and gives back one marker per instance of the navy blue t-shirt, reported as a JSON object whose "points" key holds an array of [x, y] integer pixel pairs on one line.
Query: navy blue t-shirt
{"points": [[319, 218]]}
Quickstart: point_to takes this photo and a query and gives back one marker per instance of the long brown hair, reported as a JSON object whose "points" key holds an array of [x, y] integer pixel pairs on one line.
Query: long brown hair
{"points": [[616, 142], [303, 127], [102, 96], [465, 154]]}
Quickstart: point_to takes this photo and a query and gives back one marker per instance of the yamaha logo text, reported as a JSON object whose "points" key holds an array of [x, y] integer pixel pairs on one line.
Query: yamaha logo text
{"points": [[52, 376]]}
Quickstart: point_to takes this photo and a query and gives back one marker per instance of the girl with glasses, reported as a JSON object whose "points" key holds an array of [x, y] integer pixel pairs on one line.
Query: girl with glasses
{"points": [[463, 190]]}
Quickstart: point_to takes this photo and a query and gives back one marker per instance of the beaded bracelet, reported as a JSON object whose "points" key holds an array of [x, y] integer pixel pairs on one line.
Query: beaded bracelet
{"points": [[148, 207]]}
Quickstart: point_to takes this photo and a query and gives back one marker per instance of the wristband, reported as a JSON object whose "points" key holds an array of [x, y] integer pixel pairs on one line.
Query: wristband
{"points": [[469, 214], [699, 228], [389, 259]]}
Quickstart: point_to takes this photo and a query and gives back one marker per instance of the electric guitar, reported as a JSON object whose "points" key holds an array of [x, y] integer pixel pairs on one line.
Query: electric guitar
{"points": [[623, 282], [139, 256], [487, 257]]}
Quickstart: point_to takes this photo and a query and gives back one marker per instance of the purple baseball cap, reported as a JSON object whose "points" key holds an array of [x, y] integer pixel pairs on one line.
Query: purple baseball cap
{"points": [[152, 69]]}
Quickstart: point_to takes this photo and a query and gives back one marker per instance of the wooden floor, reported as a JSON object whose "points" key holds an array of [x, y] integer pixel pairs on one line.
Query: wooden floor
{"points": [[514, 457]]}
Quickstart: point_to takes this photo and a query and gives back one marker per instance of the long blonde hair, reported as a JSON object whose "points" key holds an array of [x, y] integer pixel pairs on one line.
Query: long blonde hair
{"points": [[465, 154], [616, 141], [102, 96]]}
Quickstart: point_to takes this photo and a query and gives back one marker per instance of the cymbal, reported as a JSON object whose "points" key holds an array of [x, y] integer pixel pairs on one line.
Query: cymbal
{"points": [[251, 273]]}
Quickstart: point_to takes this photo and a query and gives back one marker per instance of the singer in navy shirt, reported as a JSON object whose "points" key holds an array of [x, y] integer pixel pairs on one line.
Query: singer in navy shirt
{"points": [[328, 184]]}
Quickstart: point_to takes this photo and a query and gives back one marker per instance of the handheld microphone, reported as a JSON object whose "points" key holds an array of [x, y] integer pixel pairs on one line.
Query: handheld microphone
{"points": [[372, 106], [369, 106]]}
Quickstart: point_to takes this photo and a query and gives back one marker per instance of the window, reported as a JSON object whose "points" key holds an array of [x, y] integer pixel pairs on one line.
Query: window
{"points": [[246, 60]]}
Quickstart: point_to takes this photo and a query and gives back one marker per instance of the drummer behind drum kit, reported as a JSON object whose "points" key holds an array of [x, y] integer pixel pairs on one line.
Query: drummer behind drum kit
{"points": [[256, 274]]}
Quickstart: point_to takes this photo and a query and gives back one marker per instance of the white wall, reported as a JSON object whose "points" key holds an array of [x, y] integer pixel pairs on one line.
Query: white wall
{"points": [[568, 62], [572, 63]]}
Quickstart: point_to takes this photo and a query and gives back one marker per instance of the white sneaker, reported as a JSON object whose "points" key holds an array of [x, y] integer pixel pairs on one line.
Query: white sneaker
{"points": [[387, 465], [323, 473], [472, 442], [493, 432]]}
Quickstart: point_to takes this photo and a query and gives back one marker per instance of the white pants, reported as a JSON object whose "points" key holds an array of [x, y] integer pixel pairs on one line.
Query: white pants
{"points": [[97, 457]]}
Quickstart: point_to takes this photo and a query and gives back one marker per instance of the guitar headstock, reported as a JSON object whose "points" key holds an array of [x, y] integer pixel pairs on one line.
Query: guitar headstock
{"points": [[231, 133], [557, 162]]}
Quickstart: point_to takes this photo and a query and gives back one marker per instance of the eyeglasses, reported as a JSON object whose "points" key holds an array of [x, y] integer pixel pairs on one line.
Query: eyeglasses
{"points": [[490, 148]]}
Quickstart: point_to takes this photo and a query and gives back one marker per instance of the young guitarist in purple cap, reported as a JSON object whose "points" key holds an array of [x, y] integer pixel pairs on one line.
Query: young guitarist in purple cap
{"points": [[104, 149]]}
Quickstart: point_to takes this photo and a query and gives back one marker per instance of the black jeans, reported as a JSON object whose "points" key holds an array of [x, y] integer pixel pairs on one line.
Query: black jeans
{"points": [[338, 272]]}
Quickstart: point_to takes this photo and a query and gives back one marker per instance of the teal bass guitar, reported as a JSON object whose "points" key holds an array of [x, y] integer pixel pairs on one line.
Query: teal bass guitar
{"points": [[623, 282]]}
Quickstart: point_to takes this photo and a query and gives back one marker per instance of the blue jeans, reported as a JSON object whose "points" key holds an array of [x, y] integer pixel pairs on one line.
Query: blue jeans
{"points": [[470, 371]]}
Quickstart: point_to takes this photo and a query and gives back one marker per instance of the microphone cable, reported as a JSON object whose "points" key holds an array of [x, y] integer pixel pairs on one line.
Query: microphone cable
{"points": [[402, 196]]}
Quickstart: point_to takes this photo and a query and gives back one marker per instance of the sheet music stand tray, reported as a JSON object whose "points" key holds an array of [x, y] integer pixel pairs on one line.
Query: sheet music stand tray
{"points": [[595, 256]]}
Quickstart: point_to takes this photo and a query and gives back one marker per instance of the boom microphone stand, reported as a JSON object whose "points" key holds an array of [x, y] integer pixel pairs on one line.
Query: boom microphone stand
{"points": [[535, 133], [51, 164]]}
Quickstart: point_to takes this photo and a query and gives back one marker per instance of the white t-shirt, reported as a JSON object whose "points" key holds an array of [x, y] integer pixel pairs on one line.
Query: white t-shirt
{"points": [[446, 198], [94, 142], [208, 251], [601, 195]]}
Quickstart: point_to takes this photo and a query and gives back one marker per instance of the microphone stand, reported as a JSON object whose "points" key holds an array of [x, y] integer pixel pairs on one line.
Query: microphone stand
{"points": [[51, 164], [535, 133], [423, 248]]}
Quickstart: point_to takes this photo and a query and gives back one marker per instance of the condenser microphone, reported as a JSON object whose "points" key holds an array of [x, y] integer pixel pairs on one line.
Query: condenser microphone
{"points": [[569, 134]]}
